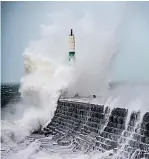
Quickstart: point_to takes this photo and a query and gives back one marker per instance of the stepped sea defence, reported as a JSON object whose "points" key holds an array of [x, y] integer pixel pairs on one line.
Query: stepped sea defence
{"points": [[83, 125]]}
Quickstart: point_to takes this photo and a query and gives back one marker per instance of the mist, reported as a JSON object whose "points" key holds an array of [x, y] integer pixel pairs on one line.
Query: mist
{"points": [[91, 21], [110, 46], [96, 45]]}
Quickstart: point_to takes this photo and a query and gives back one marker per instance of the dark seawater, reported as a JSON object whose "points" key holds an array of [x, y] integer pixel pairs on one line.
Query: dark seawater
{"points": [[9, 94]]}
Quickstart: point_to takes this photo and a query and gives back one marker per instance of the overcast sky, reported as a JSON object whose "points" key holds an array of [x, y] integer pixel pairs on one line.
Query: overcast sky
{"points": [[21, 23]]}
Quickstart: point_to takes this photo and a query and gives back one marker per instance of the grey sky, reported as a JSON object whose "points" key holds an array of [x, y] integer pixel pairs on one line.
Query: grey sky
{"points": [[21, 24]]}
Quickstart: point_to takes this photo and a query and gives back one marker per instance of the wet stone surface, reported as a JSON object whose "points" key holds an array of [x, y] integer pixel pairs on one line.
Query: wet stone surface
{"points": [[92, 127]]}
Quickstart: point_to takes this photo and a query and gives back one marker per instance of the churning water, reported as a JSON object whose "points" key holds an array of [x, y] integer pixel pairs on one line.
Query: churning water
{"points": [[47, 75]]}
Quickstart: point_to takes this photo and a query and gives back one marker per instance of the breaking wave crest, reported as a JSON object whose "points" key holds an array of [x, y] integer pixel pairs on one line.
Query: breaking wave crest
{"points": [[41, 86], [45, 78], [47, 73]]}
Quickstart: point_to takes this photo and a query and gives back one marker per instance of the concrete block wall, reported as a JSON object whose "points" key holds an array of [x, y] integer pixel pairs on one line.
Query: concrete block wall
{"points": [[93, 127]]}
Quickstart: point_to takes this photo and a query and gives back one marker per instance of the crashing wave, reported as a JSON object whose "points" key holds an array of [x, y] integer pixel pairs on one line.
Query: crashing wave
{"points": [[40, 89]]}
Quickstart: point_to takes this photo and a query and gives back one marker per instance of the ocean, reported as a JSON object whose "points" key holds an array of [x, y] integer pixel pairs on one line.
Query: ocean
{"points": [[33, 145], [9, 93], [47, 75]]}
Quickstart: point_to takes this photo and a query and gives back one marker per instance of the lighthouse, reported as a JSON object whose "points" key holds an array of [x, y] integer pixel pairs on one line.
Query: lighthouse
{"points": [[71, 47]]}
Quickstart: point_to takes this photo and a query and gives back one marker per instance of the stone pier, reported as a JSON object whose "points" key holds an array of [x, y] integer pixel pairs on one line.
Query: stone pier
{"points": [[92, 127]]}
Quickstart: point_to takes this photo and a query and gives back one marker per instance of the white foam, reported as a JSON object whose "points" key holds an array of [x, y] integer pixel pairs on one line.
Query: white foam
{"points": [[40, 90], [47, 73]]}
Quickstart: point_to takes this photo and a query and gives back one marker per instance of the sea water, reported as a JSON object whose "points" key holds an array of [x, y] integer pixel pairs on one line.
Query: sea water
{"points": [[47, 75]]}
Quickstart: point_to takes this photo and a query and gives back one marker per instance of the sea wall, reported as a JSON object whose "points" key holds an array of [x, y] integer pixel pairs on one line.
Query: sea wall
{"points": [[93, 127]]}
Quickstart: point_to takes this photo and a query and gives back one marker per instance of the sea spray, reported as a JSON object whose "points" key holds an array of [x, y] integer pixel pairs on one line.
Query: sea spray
{"points": [[46, 82], [43, 81], [124, 140], [108, 107], [47, 74], [59, 151], [41, 86], [33, 148]]}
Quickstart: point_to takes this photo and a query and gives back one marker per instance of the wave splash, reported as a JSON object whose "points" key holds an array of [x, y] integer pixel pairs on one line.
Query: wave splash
{"points": [[46, 78], [41, 86]]}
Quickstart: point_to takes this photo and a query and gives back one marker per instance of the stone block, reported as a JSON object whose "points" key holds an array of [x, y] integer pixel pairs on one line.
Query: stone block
{"points": [[83, 122]]}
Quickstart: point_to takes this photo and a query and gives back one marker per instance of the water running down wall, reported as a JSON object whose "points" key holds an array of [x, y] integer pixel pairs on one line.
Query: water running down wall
{"points": [[90, 127]]}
